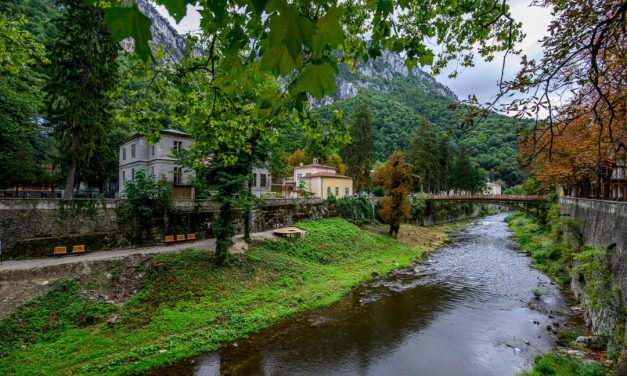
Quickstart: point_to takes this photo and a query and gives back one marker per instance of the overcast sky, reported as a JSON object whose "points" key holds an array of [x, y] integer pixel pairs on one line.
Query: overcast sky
{"points": [[480, 79]]}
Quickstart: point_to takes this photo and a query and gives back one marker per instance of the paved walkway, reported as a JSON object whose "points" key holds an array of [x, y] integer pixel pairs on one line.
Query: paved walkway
{"points": [[208, 244]]}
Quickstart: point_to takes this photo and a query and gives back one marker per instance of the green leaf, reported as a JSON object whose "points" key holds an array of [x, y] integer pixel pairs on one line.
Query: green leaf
{"points": [[329, 30], [292, 30], [278, 60], [124, 22], [427, 57], [176, 8], [318, 80]]}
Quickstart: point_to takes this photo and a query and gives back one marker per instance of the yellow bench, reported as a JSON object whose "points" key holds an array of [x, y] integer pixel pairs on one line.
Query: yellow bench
{"points": [[60, 251], [169, 239], [191, 237], [180, 238], [78, 248]]}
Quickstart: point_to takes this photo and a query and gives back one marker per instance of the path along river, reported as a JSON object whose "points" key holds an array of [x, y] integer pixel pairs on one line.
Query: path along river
{"points": [[464, 311]]}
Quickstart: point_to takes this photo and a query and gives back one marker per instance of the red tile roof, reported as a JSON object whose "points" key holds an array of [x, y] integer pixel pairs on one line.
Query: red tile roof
{"points": [[315, 165], [326, 175]]}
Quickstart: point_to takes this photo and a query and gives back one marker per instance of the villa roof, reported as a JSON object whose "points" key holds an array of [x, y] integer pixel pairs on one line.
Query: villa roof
{"points": [[317, 165], [173, 132], [326, 175]]}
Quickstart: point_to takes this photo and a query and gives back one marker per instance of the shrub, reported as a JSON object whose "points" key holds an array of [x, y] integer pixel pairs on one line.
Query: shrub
{"points": [[143, 200], [355, 209]]}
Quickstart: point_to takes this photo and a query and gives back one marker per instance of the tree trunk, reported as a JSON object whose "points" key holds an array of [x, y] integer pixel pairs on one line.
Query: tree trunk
{"points": [[223, 230], [71, 172]]}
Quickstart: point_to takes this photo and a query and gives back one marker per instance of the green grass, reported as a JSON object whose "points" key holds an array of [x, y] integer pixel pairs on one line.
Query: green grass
{"points": [[561, 365], [188, 306], [535, 240]]}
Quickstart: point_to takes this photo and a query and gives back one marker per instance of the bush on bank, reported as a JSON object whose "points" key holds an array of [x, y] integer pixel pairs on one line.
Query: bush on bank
{"points": [[558, 248], [187, 305]]}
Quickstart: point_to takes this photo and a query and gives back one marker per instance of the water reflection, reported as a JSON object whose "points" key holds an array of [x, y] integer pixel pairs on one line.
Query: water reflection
{"points": [[463, 312]]}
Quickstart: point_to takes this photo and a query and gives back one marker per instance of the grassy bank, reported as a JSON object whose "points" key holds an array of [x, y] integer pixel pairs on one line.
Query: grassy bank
{"points": [[557, 248], [187, 306]]}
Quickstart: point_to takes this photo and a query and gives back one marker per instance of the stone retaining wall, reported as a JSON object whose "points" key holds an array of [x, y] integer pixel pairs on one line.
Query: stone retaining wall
{"points": [[602, 223], [32, 227]]}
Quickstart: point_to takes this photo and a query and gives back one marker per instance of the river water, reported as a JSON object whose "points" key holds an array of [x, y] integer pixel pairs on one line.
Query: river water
{"points": [[465, 311]]}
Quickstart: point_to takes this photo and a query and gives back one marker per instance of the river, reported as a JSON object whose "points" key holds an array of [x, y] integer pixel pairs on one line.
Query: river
{"points": [[464, 311]]}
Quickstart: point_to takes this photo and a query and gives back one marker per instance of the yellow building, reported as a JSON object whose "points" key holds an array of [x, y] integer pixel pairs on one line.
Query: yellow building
{"points": [[322, 181]]}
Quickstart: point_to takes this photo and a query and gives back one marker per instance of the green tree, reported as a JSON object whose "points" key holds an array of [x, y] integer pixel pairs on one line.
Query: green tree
{"points": [[20, 102], [445, 164], [395, 177], [423, 154], [264, 60], [82, 74], [144, 202], [466, 176], [359, 153]]}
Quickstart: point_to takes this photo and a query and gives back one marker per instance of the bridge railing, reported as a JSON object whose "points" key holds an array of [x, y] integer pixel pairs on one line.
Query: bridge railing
{"points": [[485, 197]]}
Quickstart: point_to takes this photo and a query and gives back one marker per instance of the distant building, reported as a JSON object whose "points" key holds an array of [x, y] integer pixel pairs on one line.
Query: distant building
{"points": [[618, 179], [261, 182], [157, 159], [493, 188], [320, 181]]}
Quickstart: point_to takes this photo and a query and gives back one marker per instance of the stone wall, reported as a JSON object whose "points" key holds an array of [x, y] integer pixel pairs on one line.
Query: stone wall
{"points": [[602, 223], [33, 227]]}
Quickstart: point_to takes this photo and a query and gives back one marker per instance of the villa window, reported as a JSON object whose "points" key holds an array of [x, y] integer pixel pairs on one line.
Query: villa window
{"points": [[255, 180], [299, 176], [337, 191], [178, 145], [132, 173], [263, 181], [123, 154], [152, 170], [328, 191], [153, 149], [123, 176], [133, 151], [178, 175], [346, 192]]}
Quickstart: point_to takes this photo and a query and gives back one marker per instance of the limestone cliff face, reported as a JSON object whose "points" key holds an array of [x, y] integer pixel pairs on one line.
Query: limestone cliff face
{"points": [[377, 74], [163, 34]]}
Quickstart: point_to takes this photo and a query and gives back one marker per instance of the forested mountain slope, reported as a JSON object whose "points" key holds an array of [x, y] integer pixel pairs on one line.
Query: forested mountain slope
{"points": [[398, 100]]}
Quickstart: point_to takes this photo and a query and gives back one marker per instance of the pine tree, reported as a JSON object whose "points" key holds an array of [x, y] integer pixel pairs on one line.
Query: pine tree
{"points": [[423, 154], [445, 164], [359, 154], [82, 72]]}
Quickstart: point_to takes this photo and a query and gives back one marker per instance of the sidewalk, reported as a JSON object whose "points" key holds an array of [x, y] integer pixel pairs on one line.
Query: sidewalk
{"points": [[206, 244]]}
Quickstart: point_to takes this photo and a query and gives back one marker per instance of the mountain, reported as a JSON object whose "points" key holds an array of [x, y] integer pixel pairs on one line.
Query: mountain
{"points": [[398, 100]]}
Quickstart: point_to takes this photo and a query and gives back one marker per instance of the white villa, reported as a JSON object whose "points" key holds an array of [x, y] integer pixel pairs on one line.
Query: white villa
{"points": [[157, 159]]}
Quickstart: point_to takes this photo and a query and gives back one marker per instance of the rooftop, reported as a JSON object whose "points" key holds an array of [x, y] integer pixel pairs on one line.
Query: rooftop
{"points": [[316, 165]]}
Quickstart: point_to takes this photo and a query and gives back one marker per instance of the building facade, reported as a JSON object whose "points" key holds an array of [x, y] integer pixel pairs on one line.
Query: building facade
{"points": [[321, 181], [261, 182], [157, 159]]}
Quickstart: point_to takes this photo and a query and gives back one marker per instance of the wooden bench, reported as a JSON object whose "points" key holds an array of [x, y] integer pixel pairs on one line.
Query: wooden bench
{"points": [[169, 239], [180, 238], [191, 237], [80, 248], [60, 251]]}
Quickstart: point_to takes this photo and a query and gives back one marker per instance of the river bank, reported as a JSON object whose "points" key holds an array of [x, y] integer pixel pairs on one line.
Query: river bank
{"points": [[553, 247], [467, 309], [186, 306]]}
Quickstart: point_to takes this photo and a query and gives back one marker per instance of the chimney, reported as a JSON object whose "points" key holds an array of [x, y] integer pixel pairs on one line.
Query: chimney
{"points": [[301, 164], [315, 161]]}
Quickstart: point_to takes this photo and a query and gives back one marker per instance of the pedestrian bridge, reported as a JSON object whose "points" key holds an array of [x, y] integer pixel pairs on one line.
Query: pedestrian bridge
{"points": [[526, 203], [486, 198]]}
